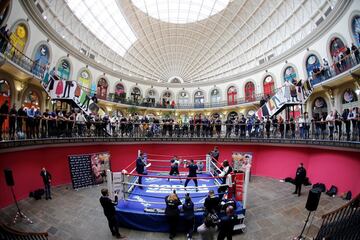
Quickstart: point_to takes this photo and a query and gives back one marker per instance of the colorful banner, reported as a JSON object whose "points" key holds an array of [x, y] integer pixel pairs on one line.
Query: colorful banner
{"points": [[287, 94], [60, 89]]}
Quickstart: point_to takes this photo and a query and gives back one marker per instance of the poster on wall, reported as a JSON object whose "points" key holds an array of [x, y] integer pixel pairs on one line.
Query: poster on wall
{"points": [[241, 161], [88, 169]]}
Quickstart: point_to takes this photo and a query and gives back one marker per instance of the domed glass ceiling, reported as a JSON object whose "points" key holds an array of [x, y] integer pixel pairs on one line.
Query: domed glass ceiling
{"points": [[104, 19], [181, 11], [149, 40]]}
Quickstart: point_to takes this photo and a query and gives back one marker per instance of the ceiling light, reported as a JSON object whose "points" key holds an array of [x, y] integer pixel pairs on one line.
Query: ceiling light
{"points": [[45, 17]]}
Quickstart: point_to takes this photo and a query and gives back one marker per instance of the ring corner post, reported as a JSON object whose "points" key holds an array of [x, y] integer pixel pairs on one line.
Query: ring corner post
{"points": [[109, 182], [208, 159], [246, 184]]}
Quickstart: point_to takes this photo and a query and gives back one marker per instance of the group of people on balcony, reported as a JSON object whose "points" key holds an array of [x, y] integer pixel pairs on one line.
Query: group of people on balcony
{"points": [[31, 123], [342, 62]]}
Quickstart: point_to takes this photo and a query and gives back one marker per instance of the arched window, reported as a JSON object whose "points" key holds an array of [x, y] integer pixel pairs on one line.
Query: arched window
{"points": [[349, 96], [85, 79], [312, 63], [183, 98], [166, 98], [337, 46], [249, 92], [290, 75], [319, 106], [232, 115], [269, 86], [19, 37], [337, 51], [151, 97], [232, 95], [120, 93], [41, 59], [199, 99], [32, 98], [63, 69], [355, 27], [215, 97], [136, 94], [101, 89]]}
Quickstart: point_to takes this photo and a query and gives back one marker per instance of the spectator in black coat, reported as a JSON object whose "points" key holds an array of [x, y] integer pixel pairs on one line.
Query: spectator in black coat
{"points": [[299, 178], [4, 111], [12, 122], [226, 225], [189, 216], [46, 177], [172, 212], [140, 168], [109, 211], [212, 203]]}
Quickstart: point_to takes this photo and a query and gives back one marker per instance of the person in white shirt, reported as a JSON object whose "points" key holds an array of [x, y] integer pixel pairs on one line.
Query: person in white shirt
{"points": [[301, 124], [208, 229], [330, 119], [80, 123]]}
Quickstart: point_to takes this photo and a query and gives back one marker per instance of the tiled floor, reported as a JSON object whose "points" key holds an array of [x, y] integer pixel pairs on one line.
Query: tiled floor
{"points": [[273, 213]]}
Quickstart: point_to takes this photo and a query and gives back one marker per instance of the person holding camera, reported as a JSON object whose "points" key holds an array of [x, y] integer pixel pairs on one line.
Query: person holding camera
{"points": [[189, 216], [109, 211], [172, 212]]}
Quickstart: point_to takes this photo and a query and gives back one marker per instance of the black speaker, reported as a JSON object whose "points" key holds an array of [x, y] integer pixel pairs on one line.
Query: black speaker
{"points": [[313, 199], [9, 177]]}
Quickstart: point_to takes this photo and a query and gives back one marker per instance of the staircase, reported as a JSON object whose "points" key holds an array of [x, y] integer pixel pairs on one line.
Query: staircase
{"points": [[287, 95], [343, 223], [7, 233], [69, 91]]}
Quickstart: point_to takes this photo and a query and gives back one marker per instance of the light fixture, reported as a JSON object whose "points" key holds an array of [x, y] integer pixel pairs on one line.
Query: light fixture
{"points": [[45, 17]]}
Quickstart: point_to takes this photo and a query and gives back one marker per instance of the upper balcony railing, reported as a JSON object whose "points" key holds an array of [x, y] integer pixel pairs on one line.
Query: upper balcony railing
{"points": [[320, 75], [16, 56]]}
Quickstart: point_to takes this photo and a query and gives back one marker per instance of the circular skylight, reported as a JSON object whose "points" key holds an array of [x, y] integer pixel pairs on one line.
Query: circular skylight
{"points": [[180, 11]]}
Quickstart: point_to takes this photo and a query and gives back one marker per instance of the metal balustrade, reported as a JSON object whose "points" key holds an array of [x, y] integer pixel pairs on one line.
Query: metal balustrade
{"points": [[343, 223], [8, 233]]}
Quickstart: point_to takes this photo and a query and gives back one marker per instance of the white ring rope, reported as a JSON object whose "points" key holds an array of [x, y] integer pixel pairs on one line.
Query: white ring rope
{"points": [[174, 186]]}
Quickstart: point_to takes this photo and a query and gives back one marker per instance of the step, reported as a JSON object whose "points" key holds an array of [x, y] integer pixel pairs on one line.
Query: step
{"points": [[240, 216], [239, 227]]}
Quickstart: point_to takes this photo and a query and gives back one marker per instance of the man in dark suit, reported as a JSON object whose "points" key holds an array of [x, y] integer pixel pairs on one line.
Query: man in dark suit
{"points": [[109, 211], [226, 224], [140, 168], [299, 178], [46, 176]]}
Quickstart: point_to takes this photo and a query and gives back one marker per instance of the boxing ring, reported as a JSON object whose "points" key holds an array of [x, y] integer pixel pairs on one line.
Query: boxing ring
{"points": [[142, 206]]}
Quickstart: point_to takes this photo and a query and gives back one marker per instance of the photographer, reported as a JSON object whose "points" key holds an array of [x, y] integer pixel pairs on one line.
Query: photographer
{"points": [[172, 212], [109, 211]]}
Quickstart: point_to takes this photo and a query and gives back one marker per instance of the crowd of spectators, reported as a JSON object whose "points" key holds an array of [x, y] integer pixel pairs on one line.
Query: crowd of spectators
{"points": [[342, 61], [31, 123]]}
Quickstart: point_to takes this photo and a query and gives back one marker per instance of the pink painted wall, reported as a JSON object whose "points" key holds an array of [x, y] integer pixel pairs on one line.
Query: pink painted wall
{"points": [[330, 167]]}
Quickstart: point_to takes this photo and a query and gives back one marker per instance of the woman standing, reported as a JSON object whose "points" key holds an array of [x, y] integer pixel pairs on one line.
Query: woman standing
{"points": [[172, 212]]}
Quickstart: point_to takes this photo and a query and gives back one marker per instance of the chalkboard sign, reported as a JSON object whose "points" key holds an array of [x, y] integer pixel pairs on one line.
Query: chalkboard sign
{"points": [[80, 169]]}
